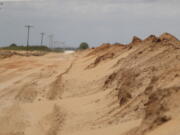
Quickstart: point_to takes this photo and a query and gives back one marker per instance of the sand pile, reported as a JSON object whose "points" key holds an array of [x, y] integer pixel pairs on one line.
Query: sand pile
{"points": [[136, 40], [152, 38], [100, 49], [108, 52], [149, 77], [167, 36]]}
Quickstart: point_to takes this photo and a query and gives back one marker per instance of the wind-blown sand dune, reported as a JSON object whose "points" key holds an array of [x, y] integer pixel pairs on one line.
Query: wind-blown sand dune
{"points": [[114, 89]]}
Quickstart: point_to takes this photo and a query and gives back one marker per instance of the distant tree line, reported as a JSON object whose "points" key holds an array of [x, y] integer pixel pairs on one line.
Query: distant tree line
{"points": [[30, 48], [14, 46]]}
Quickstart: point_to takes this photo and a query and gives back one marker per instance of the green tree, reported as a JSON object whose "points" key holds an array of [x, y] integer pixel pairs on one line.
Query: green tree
{"points": [[83, 46], [13, 45]]}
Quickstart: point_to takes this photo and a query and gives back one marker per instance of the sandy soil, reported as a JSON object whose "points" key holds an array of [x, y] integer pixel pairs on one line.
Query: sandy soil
{"points": [[109, 90]]}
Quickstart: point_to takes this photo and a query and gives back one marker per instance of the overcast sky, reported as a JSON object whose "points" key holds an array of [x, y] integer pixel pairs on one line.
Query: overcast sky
{"points": [[91, 21]]}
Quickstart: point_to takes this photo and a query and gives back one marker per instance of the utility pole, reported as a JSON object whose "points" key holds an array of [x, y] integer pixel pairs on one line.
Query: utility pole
{"points": [[28, 33], [51, 41], [42, 37]]}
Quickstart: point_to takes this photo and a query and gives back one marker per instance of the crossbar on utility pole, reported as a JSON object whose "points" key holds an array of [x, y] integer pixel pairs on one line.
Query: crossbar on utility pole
{"points": [[42, 37], [28, 34]]}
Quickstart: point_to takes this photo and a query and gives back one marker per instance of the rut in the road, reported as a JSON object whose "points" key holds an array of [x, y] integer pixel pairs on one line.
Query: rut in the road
{"points": [[56, 88], [54, 121]]}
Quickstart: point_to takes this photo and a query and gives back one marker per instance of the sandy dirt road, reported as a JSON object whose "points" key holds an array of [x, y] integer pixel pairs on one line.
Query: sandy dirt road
{"points": [[26, 89], [50, 95]]}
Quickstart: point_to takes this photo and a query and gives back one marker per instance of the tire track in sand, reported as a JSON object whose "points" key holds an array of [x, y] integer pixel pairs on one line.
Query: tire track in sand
{"points": [[56, 88]]}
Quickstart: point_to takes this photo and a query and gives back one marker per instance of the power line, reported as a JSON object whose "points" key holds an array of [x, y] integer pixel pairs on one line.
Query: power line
{"points": [[42, 37], [28, 34]]}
